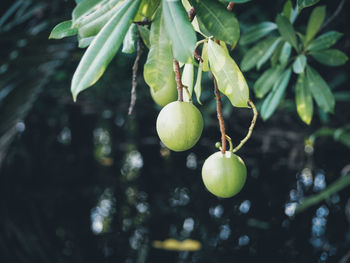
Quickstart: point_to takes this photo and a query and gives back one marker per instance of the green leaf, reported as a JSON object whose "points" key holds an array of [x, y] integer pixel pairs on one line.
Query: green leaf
{"points": [[145, 35], [215, 20], [198, 86], [158, 71], [285, 53], [287, 9], [252, 57], [89, 10], [235, 1], [180, 30], [276, 53], [187, 80], [306, 3], [268, 53], [147, 9], [266, 81], [93, 26], [63, 29], [315, 22], [256, 32], [130, 40], [287, 31], [103, 48], [299, 64], [205, 57], [85, 42], [330, 57], [229, 78], [324, 41], [272, 101], [320, 90], [85, 8], [303, 99]]}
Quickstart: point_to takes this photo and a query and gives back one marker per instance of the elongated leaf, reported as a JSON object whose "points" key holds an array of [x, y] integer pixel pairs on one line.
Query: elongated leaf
{"points": [[205, 57], [287, 31], [299, 64], [287, 9], [130, 40], [252, 57], [256, 32], [94, 12], [215, 20], [103, 48], [93, 27], [330, 57], [180, 30], [198, 86], [324, 41], [85, 8], [266, 81], [320, 90], [315, 22], [305, 3], [285, 53], [272, 101], [85, 42], [158, 71], [187, 80], [276, 53], [195, 24], [303, 99], [229, 78], [63, 29], [147, 9], [145, 35], [268, 53]]}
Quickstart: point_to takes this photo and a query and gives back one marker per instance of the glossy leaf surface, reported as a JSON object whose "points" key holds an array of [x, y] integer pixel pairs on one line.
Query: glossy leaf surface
{"points": [[299, 64], [315, 22], [103, 48], [230, 79], [272, 101], [180, 30], [330, 57], [63, 29], [256, 32], [287, 31], [303, 99], [324, 41], [266, 81]]}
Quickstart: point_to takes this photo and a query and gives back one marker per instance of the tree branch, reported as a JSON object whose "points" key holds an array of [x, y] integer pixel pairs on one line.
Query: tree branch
{"points": [[134, 76], [220, 117], [191, 14], [335, 14], [230, 6]]}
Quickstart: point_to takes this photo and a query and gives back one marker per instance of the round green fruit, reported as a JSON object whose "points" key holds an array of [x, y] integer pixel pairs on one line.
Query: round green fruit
{"points": [[179, 125], [165, 95], [224, 174]]}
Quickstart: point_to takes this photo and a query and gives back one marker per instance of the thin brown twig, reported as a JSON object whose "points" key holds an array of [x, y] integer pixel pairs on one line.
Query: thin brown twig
{"points": [[178, 80], [134, 77], [220, 117], [335, 14], [191, 14], [197, 56], [251, 127], [230, 6]]}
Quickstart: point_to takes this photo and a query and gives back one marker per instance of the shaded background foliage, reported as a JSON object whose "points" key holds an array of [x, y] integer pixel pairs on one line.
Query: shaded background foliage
{"points": [[83, 182]]}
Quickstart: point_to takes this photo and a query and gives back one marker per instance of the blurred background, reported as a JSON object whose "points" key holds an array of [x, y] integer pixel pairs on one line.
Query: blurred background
{"points": [[85, 182]]}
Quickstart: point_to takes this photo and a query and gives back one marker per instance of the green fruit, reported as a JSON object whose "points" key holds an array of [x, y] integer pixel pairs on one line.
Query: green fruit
{"points": [[165, 95], [224, 175], [179, 125]]}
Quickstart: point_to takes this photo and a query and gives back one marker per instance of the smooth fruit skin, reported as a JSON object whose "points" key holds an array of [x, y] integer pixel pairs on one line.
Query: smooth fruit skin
{"points": [[165, 95], [224, 175], [179, 125]]}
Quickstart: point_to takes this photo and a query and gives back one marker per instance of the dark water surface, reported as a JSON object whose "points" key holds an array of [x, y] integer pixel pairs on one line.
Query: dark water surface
{"points": [[83, 182]]}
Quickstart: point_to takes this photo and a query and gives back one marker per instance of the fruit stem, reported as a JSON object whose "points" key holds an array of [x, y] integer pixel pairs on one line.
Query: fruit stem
{"points": [[251, 127], [228, 138], [220, 118], [178, 80]]}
